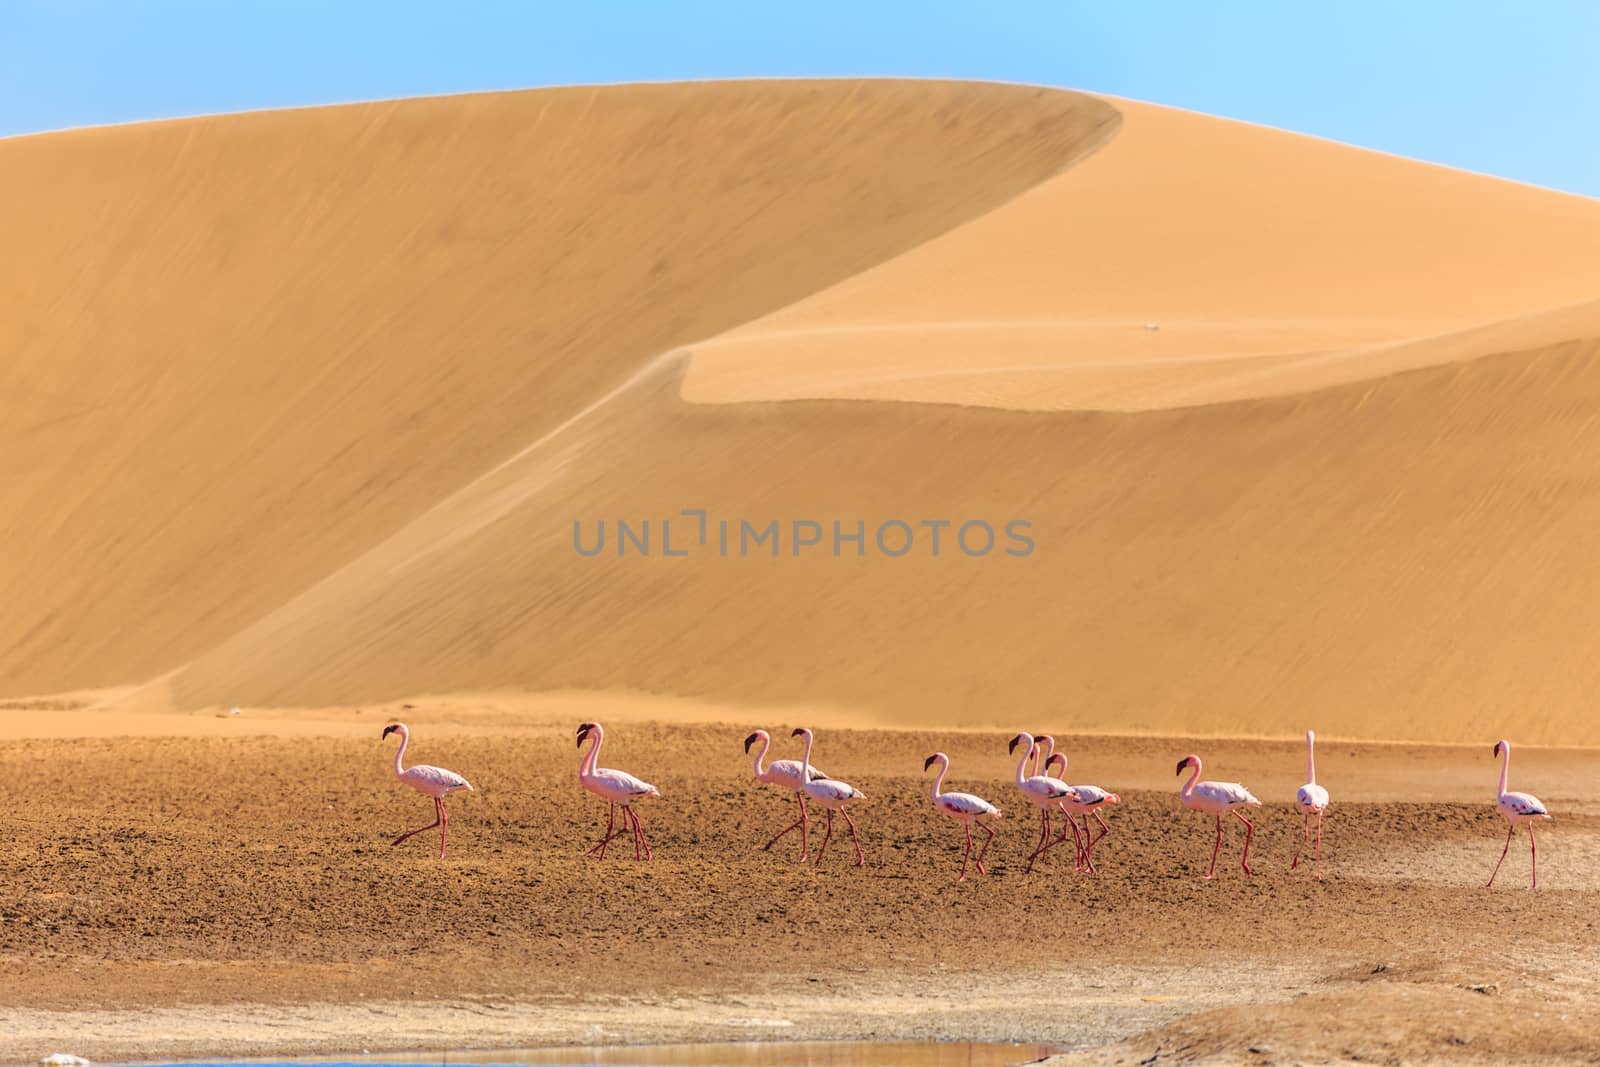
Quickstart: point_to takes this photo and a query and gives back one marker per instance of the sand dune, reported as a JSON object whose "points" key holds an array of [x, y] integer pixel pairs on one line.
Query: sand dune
{"points": [[1271, 263], [340, 456], [240, 351]]}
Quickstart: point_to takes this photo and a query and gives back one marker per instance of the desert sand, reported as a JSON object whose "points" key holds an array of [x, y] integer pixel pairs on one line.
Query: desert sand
{"points": [[303, 410]]}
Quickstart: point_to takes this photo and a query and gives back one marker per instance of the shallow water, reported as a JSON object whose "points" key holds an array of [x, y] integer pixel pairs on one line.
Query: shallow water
{"points": [[747, 1054]]}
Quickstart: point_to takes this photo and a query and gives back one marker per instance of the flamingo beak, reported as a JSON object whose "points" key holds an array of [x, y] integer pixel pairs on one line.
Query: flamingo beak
{"points": [[387, 730], [928, 762], [748, 742], [1182, 764], [798, 732], [583, 735], [1012, 747], [1497, 748]]}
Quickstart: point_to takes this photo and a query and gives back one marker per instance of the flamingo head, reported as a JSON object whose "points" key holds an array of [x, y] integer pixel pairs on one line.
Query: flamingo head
{"points": [[584, 729], [935, 758], [1056, 760], [1020, 739], [801, 732], [752, 739], [1185, 763], [1499, 745], [396, 728]]}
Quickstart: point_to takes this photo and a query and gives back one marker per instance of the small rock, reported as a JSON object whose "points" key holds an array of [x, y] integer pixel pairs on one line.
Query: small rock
{"points": [[63, 1059]]}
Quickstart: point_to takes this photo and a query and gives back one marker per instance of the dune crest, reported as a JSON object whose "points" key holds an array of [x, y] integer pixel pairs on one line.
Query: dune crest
{"points": [[1194, 260]]}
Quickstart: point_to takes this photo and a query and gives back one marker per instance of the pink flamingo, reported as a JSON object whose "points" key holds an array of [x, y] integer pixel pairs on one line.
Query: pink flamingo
{"points": [[1086, 800], [1044, 753], [1311, 799], [784, 773], [965, 808], [1219, 799], [1517, 808], [616, 787], [434, 781], [833, 795], [1041, 791]]}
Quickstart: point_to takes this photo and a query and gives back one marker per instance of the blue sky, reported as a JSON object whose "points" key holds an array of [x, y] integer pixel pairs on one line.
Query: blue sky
{"points": [[1502, 88]]}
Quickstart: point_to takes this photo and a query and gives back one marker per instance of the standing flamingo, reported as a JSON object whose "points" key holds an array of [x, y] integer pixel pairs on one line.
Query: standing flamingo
{"points": [[1219, 799], [1517, 808], [965, 808], [833, 795], [784, 773], [1086, 800], [617, 787], [1311, 799], [434, 781], [1041, 791]]}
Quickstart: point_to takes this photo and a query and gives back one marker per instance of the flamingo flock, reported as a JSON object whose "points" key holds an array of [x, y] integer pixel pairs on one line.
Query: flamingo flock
{"points": [[1033, 779]]}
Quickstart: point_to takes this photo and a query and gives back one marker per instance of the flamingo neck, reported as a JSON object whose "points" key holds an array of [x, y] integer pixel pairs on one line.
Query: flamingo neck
{"points": [[1194, 776], [399, 753], [1043, 749], [1311, 759], [1505, 767], [589, 762], [761, 754], [938, 779], [1022, 764], [805, 762]]}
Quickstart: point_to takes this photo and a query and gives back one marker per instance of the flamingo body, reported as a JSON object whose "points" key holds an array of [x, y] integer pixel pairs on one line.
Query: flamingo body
{"points": [[1519, 809], [833, 795], [1218, 799], [436, 782], [785, 774], [1311, 799], [965, 808], [618, 789]]}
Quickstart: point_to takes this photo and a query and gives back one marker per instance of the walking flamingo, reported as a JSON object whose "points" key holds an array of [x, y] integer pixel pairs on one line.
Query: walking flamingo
{"points": [[833, 795], [1219, 799], [616, 787], [1517, 808], [784, 773], [1086, 800], [965, 808], [1044, 752], [1311, 799], [1041, 791], [434, 781]]}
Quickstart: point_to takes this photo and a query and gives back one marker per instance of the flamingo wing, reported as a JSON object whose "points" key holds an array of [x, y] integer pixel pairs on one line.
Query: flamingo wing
{"points": [[831, 789], [1092, 796], [1312, 796], [966, 804], [789, 771], [433, 780], [1043, 789], [621, 784], [1231, 794], [1525, 804]]}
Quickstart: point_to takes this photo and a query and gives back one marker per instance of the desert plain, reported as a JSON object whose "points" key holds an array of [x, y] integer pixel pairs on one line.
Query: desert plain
{"points": [[302, 410]]}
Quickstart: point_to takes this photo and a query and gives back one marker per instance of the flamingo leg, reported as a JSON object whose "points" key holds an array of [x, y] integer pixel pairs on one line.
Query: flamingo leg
{"points": [[1305, 833], [1212, 873], [1250, 831], [413, 833], [825, 838], [444, 825], [638, 834], [1533, 846], [1088, 847], [1044, 837], [962, 877], [1105, 828], [1319, 846], [1511, 828], [986, 828], [796, 825], [861, 857], [611, 827], [1077, 841]]}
